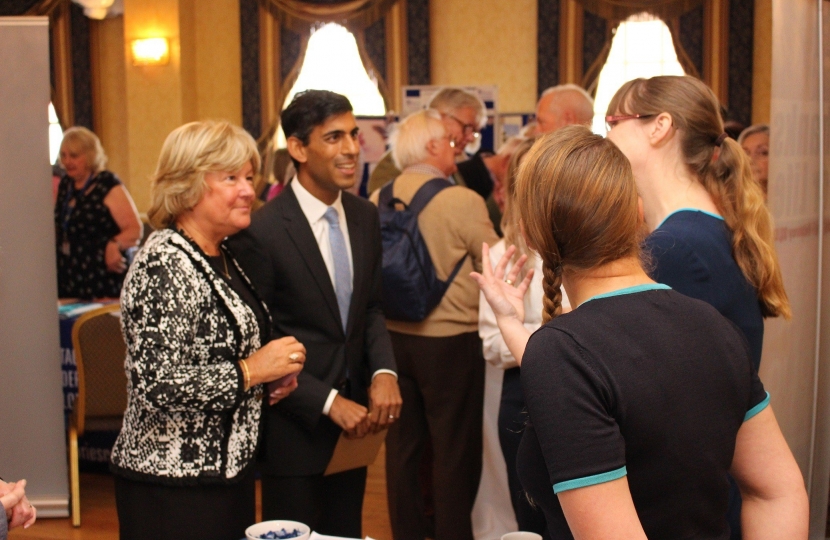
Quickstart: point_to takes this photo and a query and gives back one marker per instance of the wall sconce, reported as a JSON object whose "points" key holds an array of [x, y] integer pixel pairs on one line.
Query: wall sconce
{"points": [[150, 52]]}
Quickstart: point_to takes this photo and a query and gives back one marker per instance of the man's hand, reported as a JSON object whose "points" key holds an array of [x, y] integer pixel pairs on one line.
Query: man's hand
{"points": [[352, 417], [384, 402]]}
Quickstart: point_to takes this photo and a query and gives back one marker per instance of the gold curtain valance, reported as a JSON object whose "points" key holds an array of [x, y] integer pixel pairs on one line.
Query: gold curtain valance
{"points": [[299, 15], [622, 9]]}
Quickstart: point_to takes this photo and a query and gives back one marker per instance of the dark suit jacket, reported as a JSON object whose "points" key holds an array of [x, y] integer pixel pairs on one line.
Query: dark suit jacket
{"points": [[280, 255]]}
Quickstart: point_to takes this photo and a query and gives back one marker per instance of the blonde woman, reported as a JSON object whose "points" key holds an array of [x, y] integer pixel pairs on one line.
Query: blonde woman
{"points": [[755, 142], [198, 348], [641, 399], [96, 221]]}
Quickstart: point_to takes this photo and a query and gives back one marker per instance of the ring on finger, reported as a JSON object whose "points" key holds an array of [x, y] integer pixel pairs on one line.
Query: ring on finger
{"points": [[509, 281], [294, 356]]}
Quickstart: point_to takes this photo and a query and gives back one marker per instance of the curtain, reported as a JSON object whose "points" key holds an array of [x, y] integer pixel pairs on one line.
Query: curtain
{"points": [[363, 18], [298, 15], [622, 9], [598, 29], [597, 35]]}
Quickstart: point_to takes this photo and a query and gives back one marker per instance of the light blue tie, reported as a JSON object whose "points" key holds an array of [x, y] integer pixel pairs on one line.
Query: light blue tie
{"points": [[342, 270]]}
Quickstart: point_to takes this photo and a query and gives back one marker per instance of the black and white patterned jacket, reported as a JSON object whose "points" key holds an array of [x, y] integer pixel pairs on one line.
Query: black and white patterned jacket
{"points": [[188, 420]]}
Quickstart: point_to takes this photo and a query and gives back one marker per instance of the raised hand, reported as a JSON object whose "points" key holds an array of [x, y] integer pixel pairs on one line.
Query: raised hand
{"points": [[505, 296]]}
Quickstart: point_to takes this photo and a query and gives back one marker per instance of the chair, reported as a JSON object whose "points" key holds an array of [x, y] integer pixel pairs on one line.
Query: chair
{"points": [[102, 384]]}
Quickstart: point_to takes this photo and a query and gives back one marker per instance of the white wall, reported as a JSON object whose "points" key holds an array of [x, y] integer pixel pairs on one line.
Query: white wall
{"points": [[32, 434]]}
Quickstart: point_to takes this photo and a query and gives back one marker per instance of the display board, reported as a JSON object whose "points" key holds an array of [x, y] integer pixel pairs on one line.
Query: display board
{"points": [[32, 432]]}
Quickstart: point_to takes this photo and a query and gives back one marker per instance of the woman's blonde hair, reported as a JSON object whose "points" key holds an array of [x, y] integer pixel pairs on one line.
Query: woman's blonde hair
{"points": [[511, 216], [725, 171], [188, 153], [80, 139], [576, 194]]}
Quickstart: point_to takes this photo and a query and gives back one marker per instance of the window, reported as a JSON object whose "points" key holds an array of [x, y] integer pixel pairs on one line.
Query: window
{"points": [[642, 47], [332, 62], [55, 135]]}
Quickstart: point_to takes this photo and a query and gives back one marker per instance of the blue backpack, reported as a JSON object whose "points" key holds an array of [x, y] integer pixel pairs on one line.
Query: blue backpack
{"points": [[411, 290]]}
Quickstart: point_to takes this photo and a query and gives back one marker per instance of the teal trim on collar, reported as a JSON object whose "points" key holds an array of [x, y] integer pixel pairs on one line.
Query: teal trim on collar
{"points": [[628, 290], [589, 480], [756, 409], [689, 210]]}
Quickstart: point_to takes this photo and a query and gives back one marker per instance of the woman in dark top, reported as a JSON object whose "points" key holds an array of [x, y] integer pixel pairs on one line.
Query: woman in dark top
{"points": [[640, 399], [198, 349], [711, 232], [95, 221]]}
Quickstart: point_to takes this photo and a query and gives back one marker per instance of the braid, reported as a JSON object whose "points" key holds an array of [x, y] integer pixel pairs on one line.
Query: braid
{"points": [[552, 299]]}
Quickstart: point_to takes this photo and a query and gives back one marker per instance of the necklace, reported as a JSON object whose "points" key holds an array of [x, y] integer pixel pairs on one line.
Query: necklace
{"points": [[225, 262], [187, 235]]}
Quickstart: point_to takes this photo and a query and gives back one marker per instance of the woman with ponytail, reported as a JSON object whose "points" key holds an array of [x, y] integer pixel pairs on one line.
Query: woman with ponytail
{"points": [[641, 399], [711, 234]]}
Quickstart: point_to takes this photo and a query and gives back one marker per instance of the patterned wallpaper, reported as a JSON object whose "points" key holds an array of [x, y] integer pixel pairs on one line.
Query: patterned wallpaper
{"points": [[417, 23], [548, 44], [249, 36], [81, 67], [741, 45]]}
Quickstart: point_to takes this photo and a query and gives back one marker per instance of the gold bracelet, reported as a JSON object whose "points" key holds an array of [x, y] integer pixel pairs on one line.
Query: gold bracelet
{"points": [[246, 374]]}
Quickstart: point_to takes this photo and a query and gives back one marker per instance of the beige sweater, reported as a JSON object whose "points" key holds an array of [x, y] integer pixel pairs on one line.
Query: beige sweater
{"points": [[455, 222]]}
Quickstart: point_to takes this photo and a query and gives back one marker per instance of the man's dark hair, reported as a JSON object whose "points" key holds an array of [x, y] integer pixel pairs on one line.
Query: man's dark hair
{"points": [[310, 109]]}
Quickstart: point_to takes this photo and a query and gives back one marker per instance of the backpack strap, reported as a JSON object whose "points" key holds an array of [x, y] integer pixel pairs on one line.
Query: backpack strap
{"points": [[422, 197], [385, 197], [426, 192], [456, 269]]}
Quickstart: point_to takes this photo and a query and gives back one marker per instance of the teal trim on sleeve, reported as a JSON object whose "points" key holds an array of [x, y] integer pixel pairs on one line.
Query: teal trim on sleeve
{"points": [[756, 409], [690, 210], [629, 290], [590, 480]]}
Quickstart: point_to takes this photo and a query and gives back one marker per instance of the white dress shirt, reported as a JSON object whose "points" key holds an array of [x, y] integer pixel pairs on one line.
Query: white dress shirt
{"points": [[314, 210]]}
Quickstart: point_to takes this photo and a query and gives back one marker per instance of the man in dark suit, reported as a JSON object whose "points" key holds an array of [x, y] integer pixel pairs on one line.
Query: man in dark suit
{"points": [[314, 255]]}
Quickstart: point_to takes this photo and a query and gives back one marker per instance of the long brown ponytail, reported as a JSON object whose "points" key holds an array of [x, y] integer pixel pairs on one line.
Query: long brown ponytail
{"points": [[578, 202], [725, 171]]}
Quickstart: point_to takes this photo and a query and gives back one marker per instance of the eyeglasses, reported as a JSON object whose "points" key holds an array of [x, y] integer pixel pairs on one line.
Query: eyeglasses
{"points": [[467, 129], [613, 119]]}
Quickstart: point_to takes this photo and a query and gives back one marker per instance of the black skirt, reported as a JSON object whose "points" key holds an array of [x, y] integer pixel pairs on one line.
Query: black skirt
{"points": [[220, 512]]}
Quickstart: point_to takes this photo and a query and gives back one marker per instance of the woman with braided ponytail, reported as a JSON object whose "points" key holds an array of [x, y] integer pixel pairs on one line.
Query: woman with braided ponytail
{"points": [[641, 399], [711, 234]]}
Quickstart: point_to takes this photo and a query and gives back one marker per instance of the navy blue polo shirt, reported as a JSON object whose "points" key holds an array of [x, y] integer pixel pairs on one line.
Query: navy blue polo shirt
{"points": [[691, 252]]}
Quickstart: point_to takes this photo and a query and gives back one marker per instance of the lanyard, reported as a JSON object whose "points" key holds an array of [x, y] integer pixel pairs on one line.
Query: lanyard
{"points": [[66, 212]]}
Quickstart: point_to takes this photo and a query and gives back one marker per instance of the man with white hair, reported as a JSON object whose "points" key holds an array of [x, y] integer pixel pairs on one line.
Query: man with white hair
{"points": [[563, 105], [439, 359]]}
